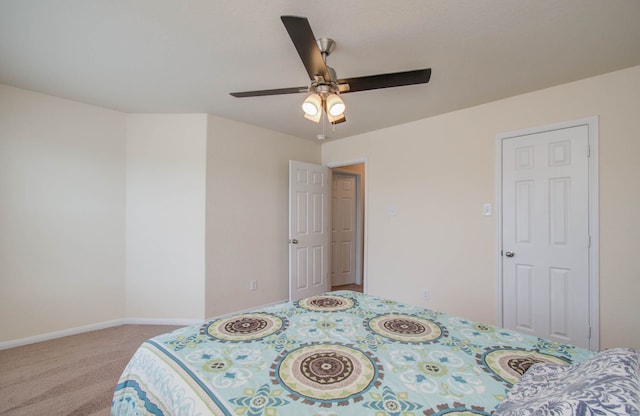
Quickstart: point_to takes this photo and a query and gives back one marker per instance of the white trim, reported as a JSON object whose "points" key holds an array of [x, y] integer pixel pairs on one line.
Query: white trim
{"points": [[498, 230], [94, 327], [594, 233], [117, 322], [594, 218], [109, 324], [359, 222], [59, 334], [367, 198], [153, 321], [346, 163]]}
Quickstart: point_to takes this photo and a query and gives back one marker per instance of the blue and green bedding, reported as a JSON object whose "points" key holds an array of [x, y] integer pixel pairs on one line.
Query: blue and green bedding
{"points": [[341, 353]]}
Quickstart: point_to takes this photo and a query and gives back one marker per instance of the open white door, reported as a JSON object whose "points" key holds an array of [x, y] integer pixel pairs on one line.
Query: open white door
{"points": [[308, 229]]}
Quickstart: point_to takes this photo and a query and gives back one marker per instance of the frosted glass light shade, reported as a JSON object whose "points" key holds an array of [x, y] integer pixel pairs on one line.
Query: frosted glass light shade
{"points": [[315, 118], [335, 105], [336, 119], [312, 105]]}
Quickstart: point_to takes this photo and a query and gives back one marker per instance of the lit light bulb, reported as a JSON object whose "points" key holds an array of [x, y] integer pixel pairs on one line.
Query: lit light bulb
{"points": [[335, 105], [311, 106]]}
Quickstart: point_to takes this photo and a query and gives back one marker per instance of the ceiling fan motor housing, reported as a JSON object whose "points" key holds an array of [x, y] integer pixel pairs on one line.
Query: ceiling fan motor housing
{"points": [[326, 46]]}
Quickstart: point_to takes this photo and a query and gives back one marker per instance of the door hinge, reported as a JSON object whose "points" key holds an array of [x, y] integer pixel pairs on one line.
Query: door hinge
{"points": [[589, 337], [588, 150], [589, 242]]}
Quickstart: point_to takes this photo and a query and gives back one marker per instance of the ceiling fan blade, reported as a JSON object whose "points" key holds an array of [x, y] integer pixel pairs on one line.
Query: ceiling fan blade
{"points": [[395, 79], [305, 42], [278, 91]]}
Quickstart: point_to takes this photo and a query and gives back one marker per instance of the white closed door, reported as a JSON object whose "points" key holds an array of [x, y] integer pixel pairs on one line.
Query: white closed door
{"points": [[545, 213], [308, 229], [343, 229]]}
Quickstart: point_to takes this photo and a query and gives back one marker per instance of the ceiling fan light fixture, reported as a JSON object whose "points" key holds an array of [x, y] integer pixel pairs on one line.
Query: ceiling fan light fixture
{"points": [[325, 88], [335, 105], [315, 118], [336, 119], [312, 105]]}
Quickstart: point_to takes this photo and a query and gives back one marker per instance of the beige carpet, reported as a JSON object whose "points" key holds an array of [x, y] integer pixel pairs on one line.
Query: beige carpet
{"points": [[74, 375]]}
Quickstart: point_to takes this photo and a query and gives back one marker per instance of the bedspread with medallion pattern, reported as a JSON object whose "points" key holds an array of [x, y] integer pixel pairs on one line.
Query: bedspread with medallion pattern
{"points": [[340, 353]]}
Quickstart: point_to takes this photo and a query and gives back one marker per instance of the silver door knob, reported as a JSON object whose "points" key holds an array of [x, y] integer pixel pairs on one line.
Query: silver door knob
{"points": [[509, 254], [294, 241]]}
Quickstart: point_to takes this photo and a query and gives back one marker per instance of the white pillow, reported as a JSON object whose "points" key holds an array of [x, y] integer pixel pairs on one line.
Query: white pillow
{"points": [[606, 384]]}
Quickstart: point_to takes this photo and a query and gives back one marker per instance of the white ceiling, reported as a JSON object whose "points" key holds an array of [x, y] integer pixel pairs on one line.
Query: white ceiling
{"points": [[176, 56]]}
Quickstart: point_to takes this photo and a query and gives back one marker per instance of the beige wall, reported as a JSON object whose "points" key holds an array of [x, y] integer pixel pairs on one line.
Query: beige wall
{"points": [[166, 171], [62, 210], [102, 216], [439, 171], [62, 175], [247, 213]]}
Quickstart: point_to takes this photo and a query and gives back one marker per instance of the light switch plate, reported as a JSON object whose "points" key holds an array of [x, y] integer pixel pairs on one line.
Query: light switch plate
{"points": [[486, 210]]}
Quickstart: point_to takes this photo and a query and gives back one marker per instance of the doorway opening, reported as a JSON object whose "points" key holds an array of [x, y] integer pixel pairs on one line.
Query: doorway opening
{"points": [[347, 240]]}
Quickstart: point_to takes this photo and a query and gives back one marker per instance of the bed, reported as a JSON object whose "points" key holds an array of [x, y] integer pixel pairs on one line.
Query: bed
{"points": [[340, 353]]}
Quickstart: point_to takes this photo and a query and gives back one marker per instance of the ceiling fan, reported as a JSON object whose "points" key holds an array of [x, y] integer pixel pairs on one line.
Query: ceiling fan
{"points": [[325, 86]]}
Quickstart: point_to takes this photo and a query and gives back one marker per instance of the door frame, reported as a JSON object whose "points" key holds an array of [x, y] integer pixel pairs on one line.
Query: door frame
{"points": [[363, 250], [594, 218], [358, 230]]}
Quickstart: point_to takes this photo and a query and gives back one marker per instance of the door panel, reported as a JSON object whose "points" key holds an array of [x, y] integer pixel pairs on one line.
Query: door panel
{"points": [[559, 280], [524, 199], [545, 214], [524, 302], [308, 229]]}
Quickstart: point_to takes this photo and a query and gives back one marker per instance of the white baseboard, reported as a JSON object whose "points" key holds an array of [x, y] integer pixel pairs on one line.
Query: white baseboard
{"points": [[153, 321], [94, 327], [59, 334], [116, 322]]}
